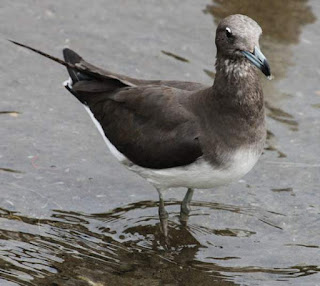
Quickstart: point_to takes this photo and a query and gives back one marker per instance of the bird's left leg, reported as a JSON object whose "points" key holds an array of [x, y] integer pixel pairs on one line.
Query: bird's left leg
{"points": [[185, 207], [163, 215]]}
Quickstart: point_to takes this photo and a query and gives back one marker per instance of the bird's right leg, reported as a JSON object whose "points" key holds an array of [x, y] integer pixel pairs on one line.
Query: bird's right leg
{"points": [[185, 207]]}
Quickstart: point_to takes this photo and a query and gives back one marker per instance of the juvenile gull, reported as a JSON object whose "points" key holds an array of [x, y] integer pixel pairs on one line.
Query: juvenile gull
{"points": [[181, 134]]}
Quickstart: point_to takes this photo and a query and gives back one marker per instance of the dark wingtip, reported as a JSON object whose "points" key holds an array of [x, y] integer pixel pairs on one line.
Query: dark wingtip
{"points": [[70, 56], [73, 58]]}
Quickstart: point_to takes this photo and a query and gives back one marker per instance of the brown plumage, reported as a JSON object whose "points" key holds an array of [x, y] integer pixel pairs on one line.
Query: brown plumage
{"points": [[182, 133]]}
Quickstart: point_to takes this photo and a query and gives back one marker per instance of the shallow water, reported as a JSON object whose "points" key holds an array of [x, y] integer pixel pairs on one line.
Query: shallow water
{"points": [[71, 215], [125, 246]]}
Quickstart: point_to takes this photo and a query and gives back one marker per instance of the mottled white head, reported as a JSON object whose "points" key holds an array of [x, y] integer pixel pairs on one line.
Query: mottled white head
{"points": [[238, 36]]}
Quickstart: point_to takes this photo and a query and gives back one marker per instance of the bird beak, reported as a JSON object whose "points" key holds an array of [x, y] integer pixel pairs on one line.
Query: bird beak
{"points": [[259, 60]]}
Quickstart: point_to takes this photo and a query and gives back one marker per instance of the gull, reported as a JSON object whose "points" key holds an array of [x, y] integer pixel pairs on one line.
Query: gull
{"points": [[181, 134]]}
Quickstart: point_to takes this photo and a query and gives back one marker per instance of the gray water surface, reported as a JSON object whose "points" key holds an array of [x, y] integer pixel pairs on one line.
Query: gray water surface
{"points": [[71, 215]]}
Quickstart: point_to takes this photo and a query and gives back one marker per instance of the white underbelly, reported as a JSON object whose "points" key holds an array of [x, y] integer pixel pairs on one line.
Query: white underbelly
{"points": [[200, 174]]}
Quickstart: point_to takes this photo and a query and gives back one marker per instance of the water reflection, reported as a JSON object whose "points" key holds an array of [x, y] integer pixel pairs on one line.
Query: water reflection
{"points": [[211, 74], [175, 56], [271, 145], [10, 170], [11, 113], [280, 20], [124, 246]]}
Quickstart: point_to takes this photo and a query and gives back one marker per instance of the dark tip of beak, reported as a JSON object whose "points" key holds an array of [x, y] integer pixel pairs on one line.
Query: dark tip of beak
{"points": [[266, 68], [259, 60]]}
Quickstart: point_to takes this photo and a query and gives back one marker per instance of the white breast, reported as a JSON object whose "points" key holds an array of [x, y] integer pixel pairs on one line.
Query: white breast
{"points": [[198, 175]]}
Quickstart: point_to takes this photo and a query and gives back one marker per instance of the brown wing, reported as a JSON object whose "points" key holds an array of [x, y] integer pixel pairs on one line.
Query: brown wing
{"points": [[148, 124], [145, 120]]}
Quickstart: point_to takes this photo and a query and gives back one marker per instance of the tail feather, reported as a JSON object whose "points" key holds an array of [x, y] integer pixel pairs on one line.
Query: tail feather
{"points": [[89, 78], [66, 64], [71, 59]]}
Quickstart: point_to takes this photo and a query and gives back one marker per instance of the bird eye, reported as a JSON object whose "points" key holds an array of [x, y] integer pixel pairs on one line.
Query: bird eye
{"points": [[228, 32]]}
